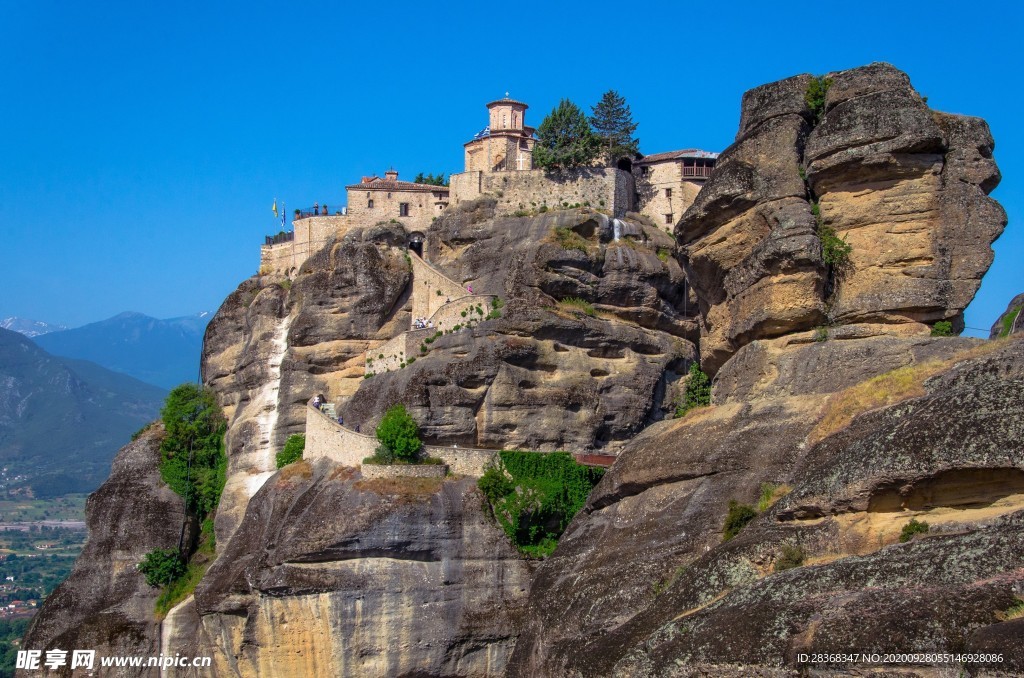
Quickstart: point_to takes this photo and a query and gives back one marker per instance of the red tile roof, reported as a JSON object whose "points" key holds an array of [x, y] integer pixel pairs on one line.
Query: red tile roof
{"points": [[379, 184], [676, 155]]}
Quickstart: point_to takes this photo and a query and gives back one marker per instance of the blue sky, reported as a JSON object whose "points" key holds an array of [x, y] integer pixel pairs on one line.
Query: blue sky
{"points": [[142, 144]]}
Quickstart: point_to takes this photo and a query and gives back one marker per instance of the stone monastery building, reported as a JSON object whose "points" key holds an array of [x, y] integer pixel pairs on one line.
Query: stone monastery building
{"points": [[498, 163]]}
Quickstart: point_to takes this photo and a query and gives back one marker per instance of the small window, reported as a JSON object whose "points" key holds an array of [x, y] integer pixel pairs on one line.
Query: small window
{"points": [[369, 204], [389, 196], [403, 209], [668, 192], [668, 218]]}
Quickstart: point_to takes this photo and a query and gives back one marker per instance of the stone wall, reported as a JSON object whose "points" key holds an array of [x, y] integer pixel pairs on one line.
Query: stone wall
{"points": [[396, 351], [311, 234], [427, 282], [424, 207], [327, 438], [664, 194], [450, 315], [379, 471], [603, 188]]}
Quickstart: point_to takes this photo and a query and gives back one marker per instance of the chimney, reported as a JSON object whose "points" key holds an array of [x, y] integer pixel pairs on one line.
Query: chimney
{"points": [[391, 175]]}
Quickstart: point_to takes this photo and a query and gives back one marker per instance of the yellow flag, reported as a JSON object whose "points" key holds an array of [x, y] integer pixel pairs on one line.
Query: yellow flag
{"points": [[275, 207]]}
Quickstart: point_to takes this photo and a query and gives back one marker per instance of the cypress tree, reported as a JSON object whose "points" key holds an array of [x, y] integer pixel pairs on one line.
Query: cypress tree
{"points": [[614, 127]]}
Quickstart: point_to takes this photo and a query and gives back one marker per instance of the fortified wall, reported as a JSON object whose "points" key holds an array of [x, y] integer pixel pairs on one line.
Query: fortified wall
{"points": [[604, 188], [309, 234], [327, 438]]}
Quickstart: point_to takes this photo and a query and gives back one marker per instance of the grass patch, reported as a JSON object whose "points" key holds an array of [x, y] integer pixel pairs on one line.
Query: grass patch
{"points": [[771, 493], [533, 496], [577, 305], [1008, 323], [1015, 611], [886, 389], [790, 557], [664, 253], [568, 239], [297, 470]]}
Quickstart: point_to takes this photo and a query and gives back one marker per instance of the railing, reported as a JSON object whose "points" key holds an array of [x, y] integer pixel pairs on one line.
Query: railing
{"points": [[320, 211], [697, 172], [283, 236]]}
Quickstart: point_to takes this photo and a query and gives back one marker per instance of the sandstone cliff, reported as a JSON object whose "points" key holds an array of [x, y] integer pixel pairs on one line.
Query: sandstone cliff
{"points": [[1010, 321]]}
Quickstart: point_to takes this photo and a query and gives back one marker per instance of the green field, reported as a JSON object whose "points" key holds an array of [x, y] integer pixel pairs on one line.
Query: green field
{"points": [[68, 507]]}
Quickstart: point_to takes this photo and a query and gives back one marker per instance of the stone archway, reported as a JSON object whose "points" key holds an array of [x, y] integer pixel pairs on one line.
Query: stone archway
{"points": [[625, 164], [416, 242]]}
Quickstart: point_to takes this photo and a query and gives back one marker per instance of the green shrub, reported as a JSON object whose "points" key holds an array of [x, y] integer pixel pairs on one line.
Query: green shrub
{"points": [[834, 250], [192, 458], [493, 314], [399, 434], [736, 519], [911, 529], [411, 360], [293, 448], [542, 209], [771, 493], [1008, 323], [463, 314], [577, 304], [821, 333], [162, 566], [814, 96], [664, 253], [943, 328], [534, 496], [790, 557], [496, 302], [697, 393]]}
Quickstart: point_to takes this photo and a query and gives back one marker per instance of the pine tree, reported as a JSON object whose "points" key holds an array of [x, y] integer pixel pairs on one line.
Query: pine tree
{"points": [[613, 124], [565, 139]]}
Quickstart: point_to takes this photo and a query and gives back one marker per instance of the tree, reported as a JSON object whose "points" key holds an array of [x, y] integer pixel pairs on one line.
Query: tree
{"points": [[430, 179], [399, 434], [565, 139], [162, 566], [614, 127], [192, 459]]}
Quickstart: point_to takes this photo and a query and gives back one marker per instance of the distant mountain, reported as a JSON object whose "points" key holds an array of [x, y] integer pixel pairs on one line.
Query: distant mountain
{"points": [[62, 420], [30, 328], [161, 352]]}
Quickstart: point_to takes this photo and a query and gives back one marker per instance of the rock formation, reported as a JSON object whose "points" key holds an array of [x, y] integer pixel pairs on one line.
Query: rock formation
{"points": [[1011, 321], [105, 603], [904, 186], [834, 413]]}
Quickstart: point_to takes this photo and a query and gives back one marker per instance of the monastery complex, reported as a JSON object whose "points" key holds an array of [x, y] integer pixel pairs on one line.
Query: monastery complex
{"points": [[498, 163]]}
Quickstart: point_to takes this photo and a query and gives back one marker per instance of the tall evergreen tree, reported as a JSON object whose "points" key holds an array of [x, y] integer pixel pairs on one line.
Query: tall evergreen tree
{"points": [[613, 124], [565, 139]]}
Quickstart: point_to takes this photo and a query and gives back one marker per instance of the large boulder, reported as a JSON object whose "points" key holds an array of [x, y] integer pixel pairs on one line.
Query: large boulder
{"points": [[904, 186]]}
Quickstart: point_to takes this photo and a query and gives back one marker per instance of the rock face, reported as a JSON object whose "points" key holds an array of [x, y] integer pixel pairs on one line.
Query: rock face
{"points": [[1011, 321], [642, 583], [105, 603], [275, 343], [332, 575], [906, 187], [546, 376]]}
